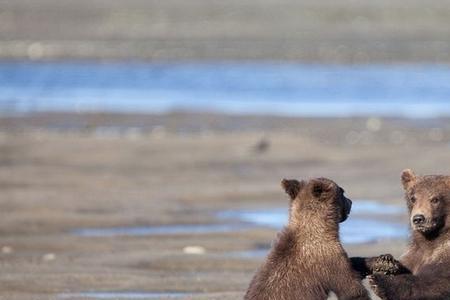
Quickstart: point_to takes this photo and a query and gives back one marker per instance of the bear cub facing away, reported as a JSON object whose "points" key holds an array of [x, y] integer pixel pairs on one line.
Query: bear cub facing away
{"points": [[307, 261]]}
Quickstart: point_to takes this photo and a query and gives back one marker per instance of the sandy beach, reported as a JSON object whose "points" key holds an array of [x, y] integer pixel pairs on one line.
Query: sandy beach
{"points": [[310, 31], [62, 172]]}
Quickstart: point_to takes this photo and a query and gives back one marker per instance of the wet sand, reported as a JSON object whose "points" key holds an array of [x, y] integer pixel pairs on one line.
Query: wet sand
{"points": [[60, 172], [311, 31]]}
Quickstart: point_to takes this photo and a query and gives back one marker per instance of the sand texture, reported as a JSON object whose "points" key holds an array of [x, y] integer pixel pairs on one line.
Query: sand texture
{"points": [[319, 31], [178, 169]]}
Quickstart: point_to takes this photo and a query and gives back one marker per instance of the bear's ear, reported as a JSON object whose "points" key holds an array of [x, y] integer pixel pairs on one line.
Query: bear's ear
{"points": [[408, 178], [292, 187], [321, 188]]}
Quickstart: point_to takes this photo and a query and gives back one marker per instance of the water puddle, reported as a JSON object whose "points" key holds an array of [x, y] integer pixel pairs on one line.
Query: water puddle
{"points": [[123, 295], [363, 226], [366, 224]]}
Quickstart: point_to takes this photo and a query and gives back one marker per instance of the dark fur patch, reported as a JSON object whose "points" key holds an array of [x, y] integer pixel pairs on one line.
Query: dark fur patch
{"points": [[321, 188], [408, 178], [292, 187]]}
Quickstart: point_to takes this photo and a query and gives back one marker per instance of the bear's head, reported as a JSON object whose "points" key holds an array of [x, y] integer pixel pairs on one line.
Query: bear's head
{"points": [[320, 195], [427, 198]]}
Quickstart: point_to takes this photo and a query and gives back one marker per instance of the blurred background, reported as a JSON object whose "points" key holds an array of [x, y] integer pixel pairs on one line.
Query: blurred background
{"points": [[142, 142]]}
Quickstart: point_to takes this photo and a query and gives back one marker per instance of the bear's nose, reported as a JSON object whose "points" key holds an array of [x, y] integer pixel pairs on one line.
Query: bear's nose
{"points": [[418, 219]]}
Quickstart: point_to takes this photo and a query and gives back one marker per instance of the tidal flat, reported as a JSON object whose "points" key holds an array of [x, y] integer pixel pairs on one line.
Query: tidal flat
{"points": [[57, 179]]}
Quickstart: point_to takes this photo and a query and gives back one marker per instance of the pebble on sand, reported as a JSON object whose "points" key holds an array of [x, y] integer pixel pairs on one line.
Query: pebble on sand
{"points": [[7, 250], [49, 257], [373, 124], [194, 250]]}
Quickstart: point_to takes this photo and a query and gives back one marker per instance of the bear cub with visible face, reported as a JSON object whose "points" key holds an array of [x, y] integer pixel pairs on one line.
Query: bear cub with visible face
{"points": [[307, 261], [427, 259]]}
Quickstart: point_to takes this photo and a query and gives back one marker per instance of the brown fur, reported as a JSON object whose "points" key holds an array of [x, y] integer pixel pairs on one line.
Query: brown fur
{"points": [[307, 261], [427, 260]]}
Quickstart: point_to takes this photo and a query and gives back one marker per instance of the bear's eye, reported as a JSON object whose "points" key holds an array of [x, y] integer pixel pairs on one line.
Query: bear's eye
{"points": [[435, 200], [412, 199]]}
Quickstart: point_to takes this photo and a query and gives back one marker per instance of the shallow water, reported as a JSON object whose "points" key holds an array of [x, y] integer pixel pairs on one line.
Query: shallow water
{"points": [[123, 295], [355, 230], [362, 226], [256, 88]]}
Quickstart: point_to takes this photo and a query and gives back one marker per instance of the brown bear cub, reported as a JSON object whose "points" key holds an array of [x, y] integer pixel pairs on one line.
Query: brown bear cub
{"points": [[427, 260], [307, 261]]}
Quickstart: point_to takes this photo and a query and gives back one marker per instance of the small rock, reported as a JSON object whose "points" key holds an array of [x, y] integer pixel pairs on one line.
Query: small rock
{"points": [[373, 124], [49, 257], [7, 250], [198, 250]]}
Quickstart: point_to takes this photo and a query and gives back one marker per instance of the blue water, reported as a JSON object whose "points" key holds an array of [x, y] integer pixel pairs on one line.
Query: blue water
{"points": [[363, 226], [239, 88]]}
